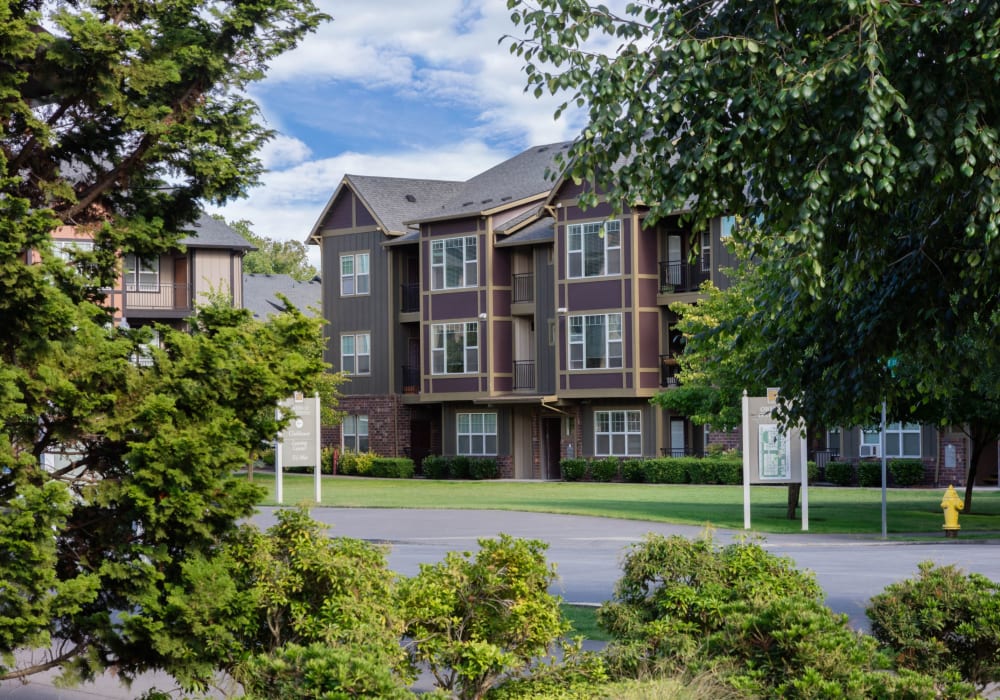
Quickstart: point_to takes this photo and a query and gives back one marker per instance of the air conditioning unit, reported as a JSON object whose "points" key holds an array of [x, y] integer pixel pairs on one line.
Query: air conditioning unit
{"points": [[869, 450]]}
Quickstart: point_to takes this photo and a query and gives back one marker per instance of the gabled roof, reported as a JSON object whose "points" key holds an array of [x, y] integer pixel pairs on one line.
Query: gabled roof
{"points": [[391, 200], [208, 232], [540, 231], [528, 175], [260, 294]]}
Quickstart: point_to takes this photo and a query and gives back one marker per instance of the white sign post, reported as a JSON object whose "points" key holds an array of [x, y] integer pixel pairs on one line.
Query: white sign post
{"points": [[771, 455], [298, 444]]}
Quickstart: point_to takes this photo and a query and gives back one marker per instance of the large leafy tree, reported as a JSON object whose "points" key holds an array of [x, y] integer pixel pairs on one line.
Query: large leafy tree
{"points": [[861, 139], [118, 119], [274, 257]]}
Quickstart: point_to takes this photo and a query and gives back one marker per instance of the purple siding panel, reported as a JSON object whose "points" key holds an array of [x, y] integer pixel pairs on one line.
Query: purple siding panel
{"points": [[341, 214], [501, 302], [649, 380], [504, 384], [458, 227], [448, 385], [604, 294], [364, 217], [647, 292], [611, 380], [502, 343], [647, 252], [451, 306], [649, 339], [576, 214], [501, 267]]}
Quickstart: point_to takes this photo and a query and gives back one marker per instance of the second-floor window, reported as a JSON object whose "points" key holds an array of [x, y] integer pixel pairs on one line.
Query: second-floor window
{"points": [[141, 274], [477, 434], [455, 348], [355, 353], [354, 276], [454, 263], [595, 341], [706, 251], [594, 249], [618, 433], [355, 432]]}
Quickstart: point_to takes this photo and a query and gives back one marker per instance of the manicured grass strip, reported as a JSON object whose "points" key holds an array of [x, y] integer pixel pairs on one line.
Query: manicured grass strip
{"points": [[831, 509], [584, 621]]}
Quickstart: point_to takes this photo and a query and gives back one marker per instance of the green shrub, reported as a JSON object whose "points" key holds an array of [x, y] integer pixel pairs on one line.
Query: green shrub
{"points": [[813, 469], [906, 472], [320, 671], [473, 619], [435, 467], [266, 456], [605, 469], [573, 469], [357, 463], [458, 467], [869, 473], [392, 468], [326, 459], [483, 468], [840, 473], [634, 470], [675, 470], [942, 622]]}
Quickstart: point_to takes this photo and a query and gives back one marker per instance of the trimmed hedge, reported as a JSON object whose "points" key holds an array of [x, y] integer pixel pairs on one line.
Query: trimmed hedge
{"points": [[663, 470], [634, 471], [460, 467], [906, 472], [869, 473], [605, 469], [575, 469], [840, 473], [371, 464]]}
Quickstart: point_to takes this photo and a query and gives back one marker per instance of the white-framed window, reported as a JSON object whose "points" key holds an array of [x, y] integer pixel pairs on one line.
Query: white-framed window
{"points": [[355, 433], [706, 250], [455, 348], [594, 249], [901, 440], [67, 249], [477, 434], [354, 275], [618, 433], [454, 263], [595, 341], [355, 353], [142, 274]]}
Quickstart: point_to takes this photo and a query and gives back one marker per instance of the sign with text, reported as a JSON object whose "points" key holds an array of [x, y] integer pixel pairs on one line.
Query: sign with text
{"points": [[300, 438], [775, 456]]}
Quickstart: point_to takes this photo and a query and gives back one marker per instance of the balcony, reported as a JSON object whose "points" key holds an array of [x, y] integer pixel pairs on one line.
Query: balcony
{"points": [[410, 299], [669, 370], [524, 288], [681, 276], [411, 379], [524, 375], [157, 297]]}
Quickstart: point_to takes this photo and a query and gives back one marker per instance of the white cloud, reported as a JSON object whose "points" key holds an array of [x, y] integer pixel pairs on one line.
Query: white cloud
{"points": [[282, 151]]}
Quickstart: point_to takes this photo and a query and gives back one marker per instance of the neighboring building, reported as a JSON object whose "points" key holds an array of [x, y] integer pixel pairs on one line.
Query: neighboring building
{"points": [[260, 294], [165, 289]]}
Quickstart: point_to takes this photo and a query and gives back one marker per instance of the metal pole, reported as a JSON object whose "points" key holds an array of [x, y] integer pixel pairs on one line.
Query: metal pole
{"points": [[881, 451], [746, 460], [804, 466], [278, 490], [319, 451]]}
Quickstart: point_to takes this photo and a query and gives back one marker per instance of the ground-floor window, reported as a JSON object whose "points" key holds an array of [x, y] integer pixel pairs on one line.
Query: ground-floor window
{"points": [[901, 440], [477, 434], [618, 433], [355, 431]]}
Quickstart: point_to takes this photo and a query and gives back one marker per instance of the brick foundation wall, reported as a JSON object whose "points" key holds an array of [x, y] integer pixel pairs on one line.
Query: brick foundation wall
{"points": [[505, 466], [950, 476], [388, 424], [730, 440]]}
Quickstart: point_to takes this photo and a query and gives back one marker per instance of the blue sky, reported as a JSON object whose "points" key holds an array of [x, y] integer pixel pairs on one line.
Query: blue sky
{"points": [[396, 88]]}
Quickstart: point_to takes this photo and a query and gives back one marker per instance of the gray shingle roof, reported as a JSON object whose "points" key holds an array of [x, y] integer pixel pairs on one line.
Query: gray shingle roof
{"points": [[530, 173], [541, 231], [394, 200], [260, 294], [208, 232]]}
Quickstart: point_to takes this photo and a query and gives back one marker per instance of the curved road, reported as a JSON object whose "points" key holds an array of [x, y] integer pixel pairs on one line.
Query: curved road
{"points": [[587, 552]]}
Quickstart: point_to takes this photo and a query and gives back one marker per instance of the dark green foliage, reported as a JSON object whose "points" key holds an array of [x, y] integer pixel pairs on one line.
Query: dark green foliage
{"points": [[813, 471], [574, 469], [320, 672], [474, 618], [634, 471], [458, 467], [483, 468], [435, 467], [392, 468], [869, 473], [688, 606], [906, 472], [942, 622], [605, 469], [840, 473]]}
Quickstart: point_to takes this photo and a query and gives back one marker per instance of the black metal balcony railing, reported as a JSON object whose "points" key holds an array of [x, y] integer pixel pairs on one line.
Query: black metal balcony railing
{"points": [[524, 374], [524, 288], [669, 369], [681, 276], [411, 379], [157, 297], [410, 300], [680, 452]]}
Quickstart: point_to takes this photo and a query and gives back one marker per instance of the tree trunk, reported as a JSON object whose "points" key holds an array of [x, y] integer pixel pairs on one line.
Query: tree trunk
{"points": [[793, 498], [980, 435]]}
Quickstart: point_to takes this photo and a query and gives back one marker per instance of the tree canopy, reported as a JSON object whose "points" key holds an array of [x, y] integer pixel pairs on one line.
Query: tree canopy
{"points": [[860, 140], [274, 257], [117, 456]]}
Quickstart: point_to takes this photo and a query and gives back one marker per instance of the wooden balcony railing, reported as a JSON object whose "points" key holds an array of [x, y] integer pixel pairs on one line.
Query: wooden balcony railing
{"points": [[159, 297]]}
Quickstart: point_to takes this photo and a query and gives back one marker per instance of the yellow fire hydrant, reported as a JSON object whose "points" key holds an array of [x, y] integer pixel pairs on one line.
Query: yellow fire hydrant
{"points": [[951, 504]]}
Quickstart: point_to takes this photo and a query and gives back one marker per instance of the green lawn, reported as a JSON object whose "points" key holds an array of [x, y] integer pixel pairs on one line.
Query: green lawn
{"points": [[831, 509]]}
